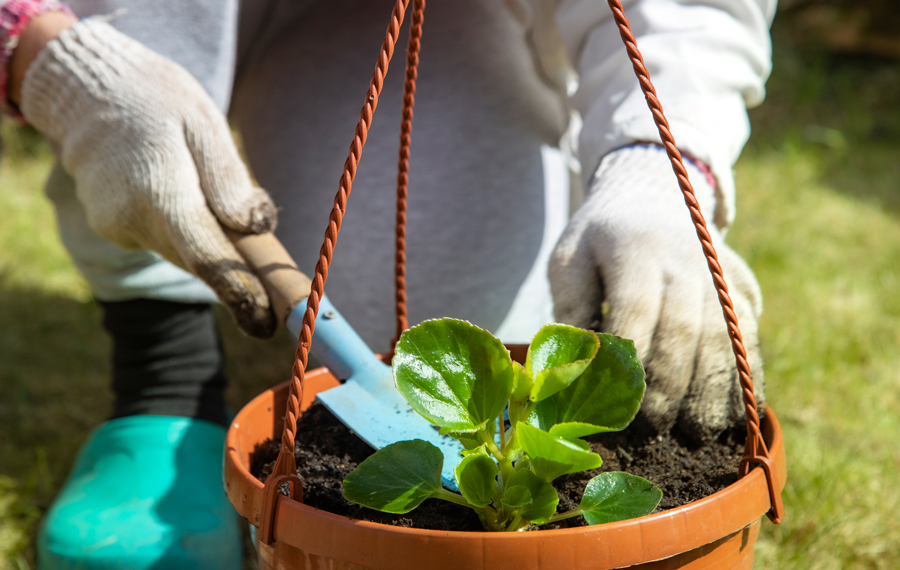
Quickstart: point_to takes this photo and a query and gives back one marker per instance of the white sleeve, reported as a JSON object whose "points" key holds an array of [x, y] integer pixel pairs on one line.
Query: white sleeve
{"points": [[708, 60]]}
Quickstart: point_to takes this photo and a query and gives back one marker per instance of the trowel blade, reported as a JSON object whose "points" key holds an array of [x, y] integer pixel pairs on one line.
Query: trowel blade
{"points": [[381, 421]]}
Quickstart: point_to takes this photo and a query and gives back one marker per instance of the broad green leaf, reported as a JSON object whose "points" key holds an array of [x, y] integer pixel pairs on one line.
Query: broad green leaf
{"points": [[558, 355], [397, 478], [607, 395], [476, 476], [522, 383], [455, 374], [554, 456], [516, 497], [580, 443], [574, 430], [618, 496], [543, 496]]}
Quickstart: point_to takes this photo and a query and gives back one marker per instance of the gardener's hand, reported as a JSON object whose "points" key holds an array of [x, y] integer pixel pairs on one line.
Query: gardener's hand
{"points": [[630, 259], [153, 158]]}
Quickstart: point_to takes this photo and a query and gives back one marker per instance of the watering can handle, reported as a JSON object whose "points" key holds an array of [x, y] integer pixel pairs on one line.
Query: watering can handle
{"points": [[336, 344]]}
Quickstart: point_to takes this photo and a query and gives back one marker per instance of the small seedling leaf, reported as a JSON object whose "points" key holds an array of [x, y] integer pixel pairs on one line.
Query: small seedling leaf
{"points": [[618, 496], [557, 356], [522, 383], [543, 496], [466, 439], [554, 456], [397, 478], [455, 374], [607, 395], [516, 497], [476, 450], [476, 476]]}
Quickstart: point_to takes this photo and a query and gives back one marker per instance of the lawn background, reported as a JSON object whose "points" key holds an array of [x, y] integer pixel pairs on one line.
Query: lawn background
{"points": [[818, 221]]}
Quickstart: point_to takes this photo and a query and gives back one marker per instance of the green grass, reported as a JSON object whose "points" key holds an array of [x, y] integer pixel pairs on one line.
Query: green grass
{"points": [[818, 220], [829, 266], [53, 364]]}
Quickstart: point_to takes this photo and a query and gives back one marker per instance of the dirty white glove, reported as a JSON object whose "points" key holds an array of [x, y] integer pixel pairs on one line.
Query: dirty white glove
{"points": [[153, 158], [630, 260]]}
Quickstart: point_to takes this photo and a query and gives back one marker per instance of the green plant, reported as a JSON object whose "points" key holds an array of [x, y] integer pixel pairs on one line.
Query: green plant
{"points": [[574, 383]]}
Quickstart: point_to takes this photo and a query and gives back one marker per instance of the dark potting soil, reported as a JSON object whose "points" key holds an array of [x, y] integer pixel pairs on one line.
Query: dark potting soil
{"points": [[327, 451]]}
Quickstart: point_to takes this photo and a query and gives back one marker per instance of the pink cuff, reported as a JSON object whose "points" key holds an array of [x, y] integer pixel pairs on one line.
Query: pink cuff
{"points": [[701, 166], [14, 15]]}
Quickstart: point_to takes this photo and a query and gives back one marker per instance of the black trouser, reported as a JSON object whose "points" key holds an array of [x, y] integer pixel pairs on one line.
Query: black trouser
{"points": [[167, 360]]}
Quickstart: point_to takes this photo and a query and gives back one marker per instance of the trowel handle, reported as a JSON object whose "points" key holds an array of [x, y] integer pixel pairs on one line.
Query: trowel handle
{"points": [[285, 284], [335, 342]]}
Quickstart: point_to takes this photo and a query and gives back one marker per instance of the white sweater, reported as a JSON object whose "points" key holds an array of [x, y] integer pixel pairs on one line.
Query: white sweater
{"points": [[490, 187]]}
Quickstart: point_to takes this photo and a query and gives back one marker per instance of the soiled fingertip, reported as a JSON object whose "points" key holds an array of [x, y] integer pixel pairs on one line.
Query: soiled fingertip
{"points": [[263, 215], [243, 294], [251, 307], [255, 320], [699, 433]]}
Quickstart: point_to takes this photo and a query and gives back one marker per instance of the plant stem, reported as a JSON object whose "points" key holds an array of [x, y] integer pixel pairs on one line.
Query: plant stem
{"points": [[529, 407], [502, 432], [566, 515], [514, 525], [489, 442], [512, 444], [506, 466], [453, 498], [516, 409]]}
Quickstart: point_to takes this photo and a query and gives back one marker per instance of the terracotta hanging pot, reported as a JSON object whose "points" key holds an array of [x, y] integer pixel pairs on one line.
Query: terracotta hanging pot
{"points": [[717, 532]]}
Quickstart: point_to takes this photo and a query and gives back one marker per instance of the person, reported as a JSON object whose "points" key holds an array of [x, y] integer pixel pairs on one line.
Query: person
{"points": [[538, 191]]}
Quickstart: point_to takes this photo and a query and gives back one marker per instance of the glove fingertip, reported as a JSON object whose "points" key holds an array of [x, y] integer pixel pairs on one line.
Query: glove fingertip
{"points": [[263, 215], [255, 320], [245, 297], [258, 215]]}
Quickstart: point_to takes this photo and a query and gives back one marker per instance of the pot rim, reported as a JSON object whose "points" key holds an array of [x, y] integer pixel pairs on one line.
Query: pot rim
{"points": [[648, 538]]}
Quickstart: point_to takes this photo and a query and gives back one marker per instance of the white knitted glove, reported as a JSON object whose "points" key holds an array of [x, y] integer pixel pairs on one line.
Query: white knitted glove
{"points": [[153, 158], [630, 260]]}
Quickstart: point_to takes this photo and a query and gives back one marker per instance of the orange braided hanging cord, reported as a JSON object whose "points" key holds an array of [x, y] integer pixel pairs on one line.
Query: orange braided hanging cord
{"points": [[755, 448], [285, 463], [409, 101]]}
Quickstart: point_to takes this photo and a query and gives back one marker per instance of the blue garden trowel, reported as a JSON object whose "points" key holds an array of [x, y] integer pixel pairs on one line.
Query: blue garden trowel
{"points": [[367, 402]]}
